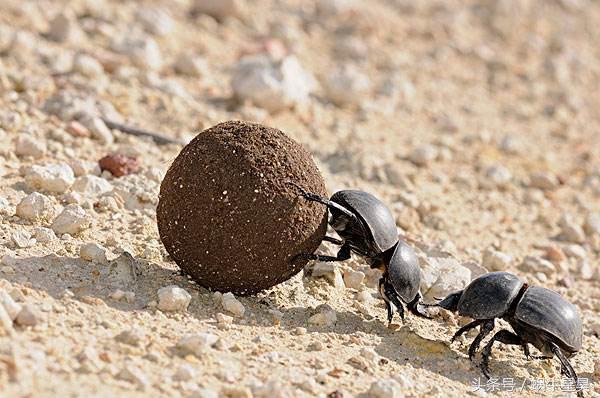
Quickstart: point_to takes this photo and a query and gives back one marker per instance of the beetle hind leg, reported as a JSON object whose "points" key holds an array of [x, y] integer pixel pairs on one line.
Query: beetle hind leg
{"points": [[389, 295], [503, 336], [465, 329], [342, 255], [566, 367]]}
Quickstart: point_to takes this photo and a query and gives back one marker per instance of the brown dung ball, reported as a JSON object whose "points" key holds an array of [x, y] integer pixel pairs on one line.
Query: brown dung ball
{"points": [[228, 213]]}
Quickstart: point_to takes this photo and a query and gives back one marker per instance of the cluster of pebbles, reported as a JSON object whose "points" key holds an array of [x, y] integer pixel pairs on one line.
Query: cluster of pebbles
{"points": [[476, 122]]}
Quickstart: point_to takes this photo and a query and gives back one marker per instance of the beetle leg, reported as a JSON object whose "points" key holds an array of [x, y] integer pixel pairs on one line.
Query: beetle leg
{"points": [[484, 330], [413, 307], [465, 328], [566, 367], [388, 294], [503, 336], [333, 240], [342, 255]]}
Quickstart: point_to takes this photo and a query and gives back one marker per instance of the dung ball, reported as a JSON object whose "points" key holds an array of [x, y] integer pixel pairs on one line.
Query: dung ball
{"points": [[230, 213]]}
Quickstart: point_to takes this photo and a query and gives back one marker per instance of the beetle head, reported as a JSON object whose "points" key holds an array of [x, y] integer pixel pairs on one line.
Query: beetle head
{"points": [[450, 303]]}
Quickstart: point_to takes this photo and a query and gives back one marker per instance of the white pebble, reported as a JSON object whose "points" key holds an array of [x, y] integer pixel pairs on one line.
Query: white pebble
{"points": [[423, 155], [592, 224], [543, 180], [497, 176], [156, 20], [188, 64], [132, 337], [87, 65], [27, 145], [35, 206], [173, 298], [56, 178], [495, 260], [134, 375], [538, 265], [44, 235], [28, 316], [98, 129], [93, 252], [347, 86], [22, 239], [233, 305], [385, 388], [325, 318], [585, 270], [185, 372], [91, 185], [576, 251], [72, 220], [353, 279], [11, 307], [196, 344], [143, 52], [272, 85], [570, 230]]}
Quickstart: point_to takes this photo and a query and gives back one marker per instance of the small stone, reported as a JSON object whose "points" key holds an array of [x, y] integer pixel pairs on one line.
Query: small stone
{"points": [[119, 165], [535, 264], [173, 298], [316, 346], [497, 176], [98, 129], [87, 65], [11, 307], [236, 392], [196, 344], [575, 251], [570, 230], [442, 276], [233, 305], [77, 129], [22, 239], [204, 393], [326, 317], [27, 145], [353, 279], [44, 235], [347, 85], [185, 372], [121, 295], [28, 316], [156, 20], [134, 375], [543, 180], [56, 178], [218, 9], [592, 224], [191, 65], [72, 220], [495, 260], [555, 254], [224, 319], [299, 331], [35, 206], [423, 155], [65, 27], [144, 52], [385, 388], [272, 85], [329, 272], [132, 337], [6, 323], [91, 185], [93, 252], [364, 296], [585, 270], [511, 145]]}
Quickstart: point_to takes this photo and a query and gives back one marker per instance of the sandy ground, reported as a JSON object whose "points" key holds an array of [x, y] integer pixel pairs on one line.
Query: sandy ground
{"points": [[465, 103]]}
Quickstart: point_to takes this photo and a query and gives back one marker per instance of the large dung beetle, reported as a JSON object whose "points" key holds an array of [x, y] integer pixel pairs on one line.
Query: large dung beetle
{"points": [[367, 227], [538, 316]]}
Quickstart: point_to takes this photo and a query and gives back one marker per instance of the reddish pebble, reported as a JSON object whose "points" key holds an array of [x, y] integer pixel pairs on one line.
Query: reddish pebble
{"points": [[555, 254], [77, 129], [119, 165]]}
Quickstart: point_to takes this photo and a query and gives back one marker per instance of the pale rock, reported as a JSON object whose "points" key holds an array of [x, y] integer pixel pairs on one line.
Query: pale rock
{"points": [[353, 279], [132, 337], [423, 155], [218, 9], [87, 65], [364, 296], [134, 375], [65, 27], [575, 251], [28, 316], [91, 185], [72, 220], [233, 391], [93, 252], [223, 319], [329, 272], [543, 180], [497, 176], [98, 129], [592, 224], [204, 393], [22, 239], [120, 295], [232, 305], [56, 178], [173, 299], [536, 264], [271, 389], [326, 317], [534, 196], [156, 20], [272, 85], [511, 145], [495, 260], [385, 388], [196, 344], [570, 230], [585, 270], [441, 276], [184, 372], [35, 206], [144, 52], [27, 145], [11, 307], [84, 167], [6, 323], [347, 85], [190, 65]]}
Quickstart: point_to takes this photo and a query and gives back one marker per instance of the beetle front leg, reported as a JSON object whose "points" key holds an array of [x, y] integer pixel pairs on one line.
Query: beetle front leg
{"points": [[390, 297], [484, 330], [566, 367], [342, 255]]}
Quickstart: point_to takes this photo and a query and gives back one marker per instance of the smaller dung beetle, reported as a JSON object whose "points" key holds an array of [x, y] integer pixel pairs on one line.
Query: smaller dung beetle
{"points": [[538, 316], [367, 228]]}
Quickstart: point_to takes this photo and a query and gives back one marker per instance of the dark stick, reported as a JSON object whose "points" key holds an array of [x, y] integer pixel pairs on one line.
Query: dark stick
{"points": [[158, 138]]}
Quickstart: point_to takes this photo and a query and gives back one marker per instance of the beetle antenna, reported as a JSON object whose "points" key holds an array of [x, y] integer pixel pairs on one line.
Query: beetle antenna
{"points": [[302, 190]]}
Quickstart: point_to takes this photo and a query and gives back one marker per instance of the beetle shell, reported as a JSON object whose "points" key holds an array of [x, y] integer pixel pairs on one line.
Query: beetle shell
{"points": [[490, 295], [547, 310], [404, 273], [374, 214]]}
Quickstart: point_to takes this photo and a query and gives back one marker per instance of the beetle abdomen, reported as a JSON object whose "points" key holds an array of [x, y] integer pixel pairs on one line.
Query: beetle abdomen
{"points": [[373, 213], [490, 295], [403, 272], [548, 311]]}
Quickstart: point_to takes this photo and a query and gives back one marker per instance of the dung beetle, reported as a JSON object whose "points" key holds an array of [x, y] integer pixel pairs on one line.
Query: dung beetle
{"points": [[367, 228], [538, 316]]}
